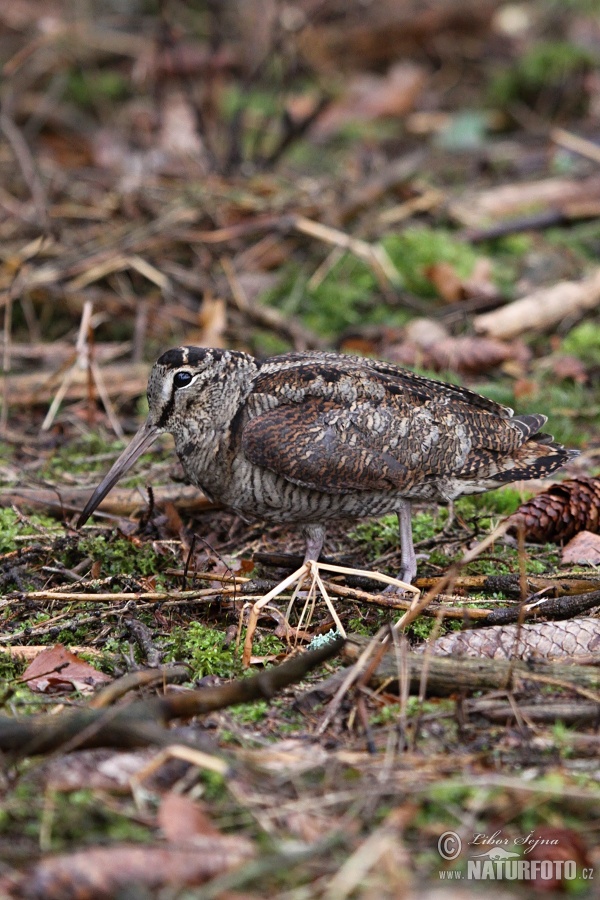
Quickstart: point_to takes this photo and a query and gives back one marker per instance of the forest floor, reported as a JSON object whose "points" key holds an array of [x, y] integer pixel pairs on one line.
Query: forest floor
{"points": [[371, 180]]}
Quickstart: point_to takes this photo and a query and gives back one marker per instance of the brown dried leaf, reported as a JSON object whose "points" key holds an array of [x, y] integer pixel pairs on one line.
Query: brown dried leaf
{"points": [[58, 670], [105, 872], [469, 355], [557, 845], [424, 332], [371, 97], [178, 132], [446, 281], [569, 367], [480, 282], [582, 550], [182, 819]]}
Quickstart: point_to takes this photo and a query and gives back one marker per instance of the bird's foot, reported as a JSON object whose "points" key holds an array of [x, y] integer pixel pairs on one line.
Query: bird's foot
{"points": [[407, 574]]}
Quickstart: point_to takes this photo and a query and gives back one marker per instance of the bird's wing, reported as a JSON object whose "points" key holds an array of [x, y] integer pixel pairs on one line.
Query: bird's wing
{"points": [[309, 445], [367, 447]]}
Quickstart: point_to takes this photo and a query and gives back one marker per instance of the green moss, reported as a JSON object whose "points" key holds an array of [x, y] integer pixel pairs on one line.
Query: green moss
{"points": [[94, 454], [203, 649], [89, 89], [78, 818], [479, 511], [547, 66], [250, 713], [389, 714], [583, 341], [421, 628], [415, 249], [382, 534], [119, 556], [346, 297], [581, 240], [501, 502], [349, 294], [35, 526]]}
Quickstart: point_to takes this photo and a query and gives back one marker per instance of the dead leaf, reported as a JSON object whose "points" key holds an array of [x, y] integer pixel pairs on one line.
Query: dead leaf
{"points": [[370, 97], [526, 389], [469, 355], [582, 550], [480, 282], [102, 873], [428, 344], [446, 281], [178, 132], [58, 670], [569, 367], [182, 819], [557, 845], [213, 321], [424, 332]]}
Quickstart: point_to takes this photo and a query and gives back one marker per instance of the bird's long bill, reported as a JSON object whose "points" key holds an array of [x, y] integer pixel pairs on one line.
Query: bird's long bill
{"points": [[146, 435]]}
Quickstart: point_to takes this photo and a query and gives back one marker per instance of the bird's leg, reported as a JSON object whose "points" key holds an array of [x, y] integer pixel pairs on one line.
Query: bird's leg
{"points": [[315, 538], [408, 559], [451, 517]]}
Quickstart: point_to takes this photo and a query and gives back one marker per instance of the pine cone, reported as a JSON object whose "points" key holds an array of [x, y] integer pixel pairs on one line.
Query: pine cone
{"points": [[573, 637], [560, 512]]}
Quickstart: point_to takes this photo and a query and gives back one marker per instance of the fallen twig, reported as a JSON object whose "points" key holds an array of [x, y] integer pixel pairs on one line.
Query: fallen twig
{"points": [[143, 722], [448, 675]]}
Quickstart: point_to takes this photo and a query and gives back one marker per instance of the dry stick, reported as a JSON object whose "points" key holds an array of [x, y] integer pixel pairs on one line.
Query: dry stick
{"points": [[295, 129], [576, 144], [416, 607], [560, 584], [206, 596], [109, 695], [449, 675], [83, 360], [6, 338], [256, 608], [312, 568], [350, 677], [553, 608], [427, 656], [26, 163], [568, 712], [373, 255], [143, 722], [378, 646], [122, 597], [390, 601]]}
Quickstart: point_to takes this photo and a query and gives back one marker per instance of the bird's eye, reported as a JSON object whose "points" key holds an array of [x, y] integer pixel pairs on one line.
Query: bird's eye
{"points": [[181, 379]]}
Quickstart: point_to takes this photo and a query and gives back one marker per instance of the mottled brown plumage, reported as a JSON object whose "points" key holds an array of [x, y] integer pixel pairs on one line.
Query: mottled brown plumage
{"points": [[308, 437]]}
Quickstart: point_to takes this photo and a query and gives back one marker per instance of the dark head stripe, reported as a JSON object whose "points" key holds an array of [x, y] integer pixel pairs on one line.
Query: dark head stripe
{"points": [[178, 356], [189, 356]]}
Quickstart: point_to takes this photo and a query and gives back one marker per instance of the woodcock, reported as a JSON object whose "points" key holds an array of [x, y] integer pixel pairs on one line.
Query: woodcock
{"points": [[306, 438]]}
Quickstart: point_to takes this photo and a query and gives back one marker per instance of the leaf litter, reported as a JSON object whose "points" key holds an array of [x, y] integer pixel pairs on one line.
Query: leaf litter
{"points": [[155, 189]]}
